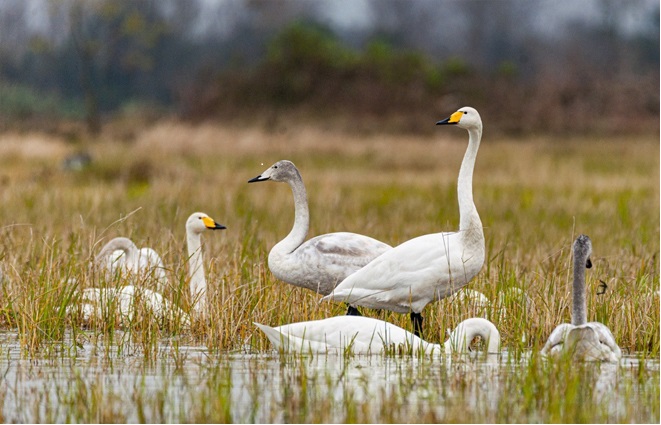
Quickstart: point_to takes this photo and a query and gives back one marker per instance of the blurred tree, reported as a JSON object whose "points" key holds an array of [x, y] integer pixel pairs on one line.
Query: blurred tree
{"points": [[13, 33]]}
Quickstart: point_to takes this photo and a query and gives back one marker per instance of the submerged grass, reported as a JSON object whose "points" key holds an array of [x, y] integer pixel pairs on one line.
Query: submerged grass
{"points": [[534, 197]]}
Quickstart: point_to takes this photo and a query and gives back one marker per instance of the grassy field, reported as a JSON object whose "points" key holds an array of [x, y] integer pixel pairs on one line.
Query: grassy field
{"points": [[534, 195]]}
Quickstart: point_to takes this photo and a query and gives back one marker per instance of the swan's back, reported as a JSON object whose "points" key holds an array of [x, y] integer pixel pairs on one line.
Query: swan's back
{"points": [[357, 334], [120, 257], [590, 342]]}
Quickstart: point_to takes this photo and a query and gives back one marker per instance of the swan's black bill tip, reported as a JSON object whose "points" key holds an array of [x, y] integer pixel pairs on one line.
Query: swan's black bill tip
{"points": [[258, 179], [445, 122], [588, 264]]}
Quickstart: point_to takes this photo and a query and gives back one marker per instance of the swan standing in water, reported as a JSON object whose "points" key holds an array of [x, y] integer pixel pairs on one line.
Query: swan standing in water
{"points": [[123, 298], [122, 257], [431, 267], [365, 335], [583, 340], [323, 261]]}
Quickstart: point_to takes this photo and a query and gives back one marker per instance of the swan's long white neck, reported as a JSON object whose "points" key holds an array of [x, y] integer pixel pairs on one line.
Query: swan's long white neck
{"points": [[579, 307], [469, 220], [301, 218], [198, 283]]}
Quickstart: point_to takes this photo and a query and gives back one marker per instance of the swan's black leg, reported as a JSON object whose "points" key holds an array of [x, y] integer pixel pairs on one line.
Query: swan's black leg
{"points": [[416, 319], [353, 311]]}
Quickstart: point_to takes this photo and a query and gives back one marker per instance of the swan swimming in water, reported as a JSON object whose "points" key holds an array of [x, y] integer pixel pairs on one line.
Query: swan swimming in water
{"points": [[365, 335], [123, 298], [320, 263], [431, 267], [591, 341]]}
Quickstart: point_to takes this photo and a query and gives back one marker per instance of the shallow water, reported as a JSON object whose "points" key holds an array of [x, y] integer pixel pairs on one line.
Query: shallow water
{"points": [[187, 384]]}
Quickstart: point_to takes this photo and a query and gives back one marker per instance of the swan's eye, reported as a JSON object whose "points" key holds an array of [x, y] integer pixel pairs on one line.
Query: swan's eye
{"points": [[275, 166]]}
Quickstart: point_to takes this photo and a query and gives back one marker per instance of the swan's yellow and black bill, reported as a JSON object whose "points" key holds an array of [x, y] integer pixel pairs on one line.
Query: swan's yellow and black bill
{"points": [[259, 178], [452, 119], [211, 223]]}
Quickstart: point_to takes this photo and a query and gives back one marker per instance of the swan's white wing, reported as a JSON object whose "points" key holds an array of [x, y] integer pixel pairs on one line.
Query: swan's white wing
{"points": [[555, 343], [361, 335], [151, 265], [115, 261], [323, 261], [411, 275], [292, 343], [607, 339], [162, 308], [344, 250], [592, 342]]}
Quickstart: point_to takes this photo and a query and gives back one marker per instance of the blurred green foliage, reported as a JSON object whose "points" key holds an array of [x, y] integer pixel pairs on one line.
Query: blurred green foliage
{"points": [[307, 65], [17, 101]]}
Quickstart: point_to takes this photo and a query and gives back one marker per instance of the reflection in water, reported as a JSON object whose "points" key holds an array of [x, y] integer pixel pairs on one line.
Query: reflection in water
{"points": [[190, 385]]}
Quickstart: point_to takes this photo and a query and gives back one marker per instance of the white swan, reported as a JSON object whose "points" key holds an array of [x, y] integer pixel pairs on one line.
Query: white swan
{"points": [[123, 299], [122, 257], [365, 335], [323, 261], [430, 267], [196, 224], [591, 341]]}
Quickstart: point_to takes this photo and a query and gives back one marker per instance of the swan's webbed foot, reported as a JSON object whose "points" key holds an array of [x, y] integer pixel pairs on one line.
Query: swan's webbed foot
{"points": [[416, 319], [353, 311]]}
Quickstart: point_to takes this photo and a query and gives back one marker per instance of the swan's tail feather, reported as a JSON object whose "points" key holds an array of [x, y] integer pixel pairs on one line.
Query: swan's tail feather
{"points": [[277, 339]]}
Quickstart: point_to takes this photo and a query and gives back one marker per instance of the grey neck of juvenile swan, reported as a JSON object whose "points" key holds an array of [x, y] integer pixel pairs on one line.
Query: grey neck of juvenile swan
{"points": [[469, 222], [301, 217], [579, 314], [198, 283]]}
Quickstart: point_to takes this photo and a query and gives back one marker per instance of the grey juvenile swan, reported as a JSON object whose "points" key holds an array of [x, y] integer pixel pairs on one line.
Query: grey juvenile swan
{"points": [[322, 262], [580, 339], [430, 267]]}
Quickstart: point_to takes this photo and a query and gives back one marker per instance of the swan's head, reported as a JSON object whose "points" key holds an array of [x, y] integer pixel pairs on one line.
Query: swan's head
{"points": [[199, 222], [465, 117], [281, 171], [583, 250]]}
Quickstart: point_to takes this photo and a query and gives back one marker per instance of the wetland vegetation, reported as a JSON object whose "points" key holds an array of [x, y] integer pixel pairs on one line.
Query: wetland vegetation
{"points": [[534, 197]]}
